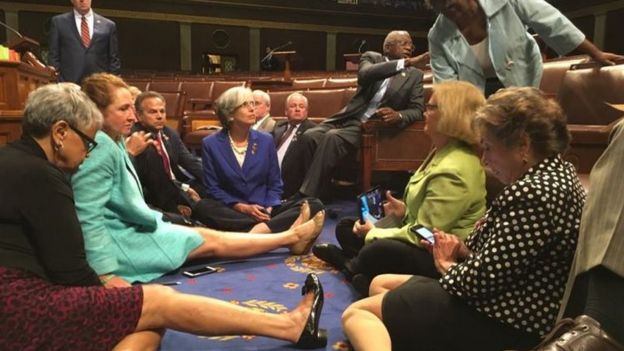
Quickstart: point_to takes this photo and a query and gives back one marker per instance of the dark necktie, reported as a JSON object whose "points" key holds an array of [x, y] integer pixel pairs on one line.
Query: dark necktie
{"points": [[287, 133], [84, 32]]}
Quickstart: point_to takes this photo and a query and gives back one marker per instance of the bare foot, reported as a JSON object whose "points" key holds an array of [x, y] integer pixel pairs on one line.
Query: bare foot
{"points": [[299, 316], [307, 234], [304, 214]]}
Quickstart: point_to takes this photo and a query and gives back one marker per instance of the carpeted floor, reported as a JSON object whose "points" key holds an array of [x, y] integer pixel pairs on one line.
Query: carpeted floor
{"points": [[270, 283]]}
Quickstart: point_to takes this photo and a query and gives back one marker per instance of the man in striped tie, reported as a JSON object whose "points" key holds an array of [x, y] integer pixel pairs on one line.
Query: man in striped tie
{"points": [[82, 42]]}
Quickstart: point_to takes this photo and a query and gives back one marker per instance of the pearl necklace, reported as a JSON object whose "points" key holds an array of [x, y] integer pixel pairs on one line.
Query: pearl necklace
{"points": [[241, 150]]}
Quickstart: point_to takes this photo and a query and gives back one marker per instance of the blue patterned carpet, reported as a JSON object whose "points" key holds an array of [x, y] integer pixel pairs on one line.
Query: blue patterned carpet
{"points": [[270, 283]]}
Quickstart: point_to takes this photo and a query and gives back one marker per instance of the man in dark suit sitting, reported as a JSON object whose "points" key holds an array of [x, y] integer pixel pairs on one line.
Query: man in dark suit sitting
{"points": [[170, 175], [81, 43], [286, 135], [389, 88]]}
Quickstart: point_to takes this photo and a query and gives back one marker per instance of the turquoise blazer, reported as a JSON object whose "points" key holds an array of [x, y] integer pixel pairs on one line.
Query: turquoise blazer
{"points": [[447, 192], [122, 234]]}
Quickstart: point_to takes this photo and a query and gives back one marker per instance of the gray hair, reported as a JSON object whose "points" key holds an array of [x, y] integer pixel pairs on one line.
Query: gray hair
{"points": [[391, 37], [296, 94], [229, 101], [138, 102], [59, 102], [266, 97]]}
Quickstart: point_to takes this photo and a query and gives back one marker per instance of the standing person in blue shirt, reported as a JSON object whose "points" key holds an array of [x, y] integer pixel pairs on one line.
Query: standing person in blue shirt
{"points": [[486, 42]]}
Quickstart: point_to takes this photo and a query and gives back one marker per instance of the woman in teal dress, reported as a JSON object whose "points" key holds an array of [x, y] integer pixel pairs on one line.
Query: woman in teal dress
{"points": [[125, 240]]}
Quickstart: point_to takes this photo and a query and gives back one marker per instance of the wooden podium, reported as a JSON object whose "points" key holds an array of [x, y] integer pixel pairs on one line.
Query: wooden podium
{"points": [[285, 55], [352, 61], [17, 80]]}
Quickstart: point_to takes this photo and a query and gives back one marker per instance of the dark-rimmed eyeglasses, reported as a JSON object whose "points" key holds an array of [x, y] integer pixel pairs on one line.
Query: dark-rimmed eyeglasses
{"points": [[89, 143]]}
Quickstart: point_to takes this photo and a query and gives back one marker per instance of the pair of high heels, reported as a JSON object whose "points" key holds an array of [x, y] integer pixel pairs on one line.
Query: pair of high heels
{"points": [[304, 245], [312, 337]]}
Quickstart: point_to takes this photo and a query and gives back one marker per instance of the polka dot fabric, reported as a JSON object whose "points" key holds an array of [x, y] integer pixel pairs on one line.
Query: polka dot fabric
{"points": [[522, 249], [36, 315]]}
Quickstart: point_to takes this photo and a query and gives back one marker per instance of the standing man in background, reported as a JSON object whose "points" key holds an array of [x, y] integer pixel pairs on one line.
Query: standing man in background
{"points": [[82, 42]]}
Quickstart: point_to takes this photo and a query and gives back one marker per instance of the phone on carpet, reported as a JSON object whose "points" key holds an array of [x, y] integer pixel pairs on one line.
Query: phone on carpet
{"points": [[371, 205], [196, 272], [423, 233]]}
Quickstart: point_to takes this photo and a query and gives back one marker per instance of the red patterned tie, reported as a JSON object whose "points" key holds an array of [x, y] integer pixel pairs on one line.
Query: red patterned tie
{"points": [[160, 147], [84, 32]]}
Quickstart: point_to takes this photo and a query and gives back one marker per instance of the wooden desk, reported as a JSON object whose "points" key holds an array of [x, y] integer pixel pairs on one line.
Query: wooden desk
{"points": [[386, 148], [17, 80]]}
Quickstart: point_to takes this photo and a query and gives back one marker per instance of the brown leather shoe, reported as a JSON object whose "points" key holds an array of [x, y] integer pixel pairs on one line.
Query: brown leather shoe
{"points": [[583, 335]]}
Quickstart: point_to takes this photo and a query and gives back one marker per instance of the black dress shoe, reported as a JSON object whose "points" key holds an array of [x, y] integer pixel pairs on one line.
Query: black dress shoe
{"points": [[331, 254], [350, 243], [360, 283], [312, 337], [583, 334]]}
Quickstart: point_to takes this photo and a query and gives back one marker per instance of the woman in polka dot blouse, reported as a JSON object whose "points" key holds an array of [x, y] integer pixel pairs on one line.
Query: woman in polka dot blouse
{"points": [[503, 287]]}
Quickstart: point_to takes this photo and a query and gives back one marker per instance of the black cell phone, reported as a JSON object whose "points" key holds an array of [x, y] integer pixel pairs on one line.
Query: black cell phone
{"points": [[196, 272], [423, 233], [371, 205]]}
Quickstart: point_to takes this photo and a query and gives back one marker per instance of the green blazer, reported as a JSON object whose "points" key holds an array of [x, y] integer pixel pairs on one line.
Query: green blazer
{"points": [[122, 234], [447, 192]]}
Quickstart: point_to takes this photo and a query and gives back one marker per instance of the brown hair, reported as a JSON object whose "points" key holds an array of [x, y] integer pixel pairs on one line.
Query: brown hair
{"points": [[513, 113], [100, 86]]}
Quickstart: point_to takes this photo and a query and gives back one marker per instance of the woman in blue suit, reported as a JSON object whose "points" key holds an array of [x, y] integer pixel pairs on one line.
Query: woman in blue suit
{"points": [[125, 240], [242, 175]]}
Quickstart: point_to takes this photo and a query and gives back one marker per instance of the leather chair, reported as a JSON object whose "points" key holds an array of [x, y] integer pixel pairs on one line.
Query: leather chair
{"points": [[174, 105], [141, 84], [554, 71], [324, 103], [199, 94], [278, 102], [195, 126], [586, 90], [220, 86], [333, 83], [162, 86], [308, 83]]}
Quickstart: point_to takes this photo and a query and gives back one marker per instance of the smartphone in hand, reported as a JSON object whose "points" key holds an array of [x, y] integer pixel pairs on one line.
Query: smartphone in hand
{"points": [[423, 233], [371, 205], [196, 272]]}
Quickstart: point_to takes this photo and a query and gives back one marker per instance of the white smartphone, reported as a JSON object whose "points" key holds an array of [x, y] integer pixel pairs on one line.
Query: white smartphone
{"points": [[423, 232], [196, 272]]}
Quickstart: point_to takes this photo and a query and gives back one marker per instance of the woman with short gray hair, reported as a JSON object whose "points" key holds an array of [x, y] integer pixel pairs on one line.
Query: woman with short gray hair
{"points": [[242, 174]]}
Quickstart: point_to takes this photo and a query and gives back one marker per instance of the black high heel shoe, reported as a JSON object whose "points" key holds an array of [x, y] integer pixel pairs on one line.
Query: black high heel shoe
{"points": [[312, 337]]}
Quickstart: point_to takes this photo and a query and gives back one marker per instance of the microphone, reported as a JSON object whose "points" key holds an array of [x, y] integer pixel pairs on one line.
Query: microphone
{"points": [[282, 46], [267, 56], [361, 46], [23, 44], [11, 29]]}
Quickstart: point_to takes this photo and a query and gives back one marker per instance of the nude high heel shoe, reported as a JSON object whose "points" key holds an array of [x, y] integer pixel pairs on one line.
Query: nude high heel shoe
{"points": [[304, 245]]}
